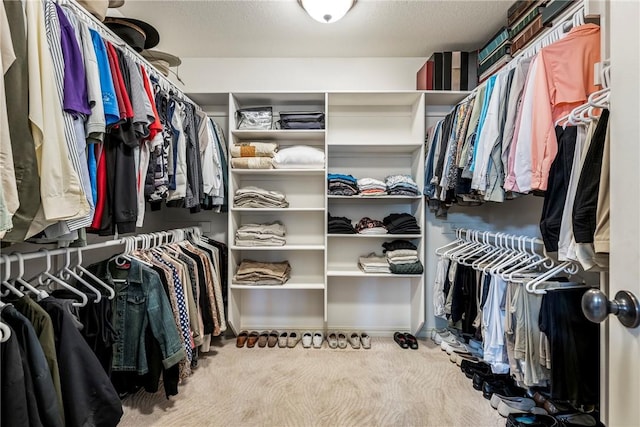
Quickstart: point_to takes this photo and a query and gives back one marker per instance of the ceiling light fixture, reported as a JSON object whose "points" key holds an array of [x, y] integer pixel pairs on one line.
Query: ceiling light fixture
{"points": [[327, 11]]}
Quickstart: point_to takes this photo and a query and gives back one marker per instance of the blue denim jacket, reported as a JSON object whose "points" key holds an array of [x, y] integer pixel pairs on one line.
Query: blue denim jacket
{"points": [[140, 303]]}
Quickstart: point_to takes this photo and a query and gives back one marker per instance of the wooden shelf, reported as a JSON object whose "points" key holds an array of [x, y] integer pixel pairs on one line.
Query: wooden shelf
{"points": [[258, 210], [273, 134], [375, 236], [393, 198], [359, 273], [367, 149], [291, 284]]}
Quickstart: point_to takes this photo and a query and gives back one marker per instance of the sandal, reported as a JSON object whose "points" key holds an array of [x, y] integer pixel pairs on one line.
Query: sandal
{"points": [[411, 341], [318, 337], [307, 338], [273, 339], [293, 339], [252, 339], [262, 339], [241, 339], [400, 339]]}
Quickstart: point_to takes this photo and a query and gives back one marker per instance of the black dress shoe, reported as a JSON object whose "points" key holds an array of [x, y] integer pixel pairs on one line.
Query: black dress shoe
{"points": [[470, 369], [503, 388], [480, 378]]}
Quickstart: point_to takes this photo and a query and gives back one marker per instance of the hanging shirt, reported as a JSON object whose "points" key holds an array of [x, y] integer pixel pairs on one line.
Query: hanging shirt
{"points": [[563, 80], [109, 100]]}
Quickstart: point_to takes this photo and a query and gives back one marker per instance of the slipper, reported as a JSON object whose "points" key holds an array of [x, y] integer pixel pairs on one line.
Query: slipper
{"points": [[293, 339], [306, 339], [252, 339], [354, 340], [365, 340], [332, 339], [262, 339], [411, 341], [273, 339], [400, 339], [318, 337], [282, 339], [342, 340], [241, 339]]}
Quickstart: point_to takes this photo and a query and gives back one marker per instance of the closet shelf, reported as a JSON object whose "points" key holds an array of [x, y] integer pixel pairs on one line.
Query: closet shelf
{"points": [[278, 171], [302, 134], [291, 284], [259, 210], [376, 198], [375, 236], [365, 149], [339, 272], [279, 248]]}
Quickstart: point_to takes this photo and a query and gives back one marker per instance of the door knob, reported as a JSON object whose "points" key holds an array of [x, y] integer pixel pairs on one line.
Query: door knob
{"points": [[596, 307]]}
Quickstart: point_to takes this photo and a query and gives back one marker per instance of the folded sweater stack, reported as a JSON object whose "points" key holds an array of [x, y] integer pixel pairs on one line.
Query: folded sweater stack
{"points": [[404, 261], [253, 155], [401, 223], [401, 185], [374, 263], [254, 197], [340, 225], [342, 185], [370, 226], [262, 273], [372, 187], [272, 234]]}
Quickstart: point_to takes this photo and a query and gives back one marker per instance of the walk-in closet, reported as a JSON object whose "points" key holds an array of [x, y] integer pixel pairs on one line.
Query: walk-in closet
{"points": [[319, 213]]}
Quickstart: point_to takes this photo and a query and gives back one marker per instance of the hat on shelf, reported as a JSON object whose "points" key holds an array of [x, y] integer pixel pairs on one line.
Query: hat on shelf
{"points": [[161, 60], [137, 34], [98, 8]]}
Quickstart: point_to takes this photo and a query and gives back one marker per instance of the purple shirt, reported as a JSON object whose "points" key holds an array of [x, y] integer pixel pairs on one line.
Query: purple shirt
{"points": [[76, 100]]}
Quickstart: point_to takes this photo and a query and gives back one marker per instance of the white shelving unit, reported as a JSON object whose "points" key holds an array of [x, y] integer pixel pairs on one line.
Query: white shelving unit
{"points": [[368, 134], [299, 303]]}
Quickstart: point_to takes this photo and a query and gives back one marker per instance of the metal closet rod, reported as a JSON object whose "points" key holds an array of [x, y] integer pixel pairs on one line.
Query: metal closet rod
{"points": [[106, 32], [115, 242], [467, 232]]}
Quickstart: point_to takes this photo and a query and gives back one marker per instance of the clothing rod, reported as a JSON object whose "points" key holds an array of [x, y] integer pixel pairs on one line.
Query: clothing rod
{"points": [[95, 23], [106, 244], [493, 235]]}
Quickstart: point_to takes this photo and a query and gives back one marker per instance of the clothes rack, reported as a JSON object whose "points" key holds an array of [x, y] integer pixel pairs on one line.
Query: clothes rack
{"points": [[105, 32]]}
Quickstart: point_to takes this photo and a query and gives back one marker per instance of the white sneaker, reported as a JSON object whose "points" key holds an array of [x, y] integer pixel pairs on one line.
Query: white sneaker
{"points": [[354, 340], [306, 339], [457, 347], [365, 340], [318, 337]]}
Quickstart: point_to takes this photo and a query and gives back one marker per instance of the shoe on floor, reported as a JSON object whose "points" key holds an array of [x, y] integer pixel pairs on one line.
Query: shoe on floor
{"points": [[460, 357], [456, 346], [342, 340], [241, 339], [332, 340], [497, 398], [523, 405], [365, 340], [531, 419], [252, 339], [273, 339], [354, 340], [307, 339], [282, 339], [412, 341], [293, 339], [399, 338], [318, 337], [262, 339]]}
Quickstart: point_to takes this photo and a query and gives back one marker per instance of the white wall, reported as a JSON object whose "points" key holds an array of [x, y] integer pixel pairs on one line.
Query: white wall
{"points": [[202, 75]]}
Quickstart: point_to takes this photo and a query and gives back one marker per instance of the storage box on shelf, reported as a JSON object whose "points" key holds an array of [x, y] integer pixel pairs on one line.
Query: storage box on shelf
{"points": [[298, 303]]}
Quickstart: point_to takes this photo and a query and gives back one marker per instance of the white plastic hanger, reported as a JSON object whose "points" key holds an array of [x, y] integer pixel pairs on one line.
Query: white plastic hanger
{"points": [[46, 274], [565, 267], [5, 280], [19, 281], [81, 271], [6, 332], [67, 272]]}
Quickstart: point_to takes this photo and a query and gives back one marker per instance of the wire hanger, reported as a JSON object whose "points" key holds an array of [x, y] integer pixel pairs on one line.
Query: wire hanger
{"points": [[46, 274]]}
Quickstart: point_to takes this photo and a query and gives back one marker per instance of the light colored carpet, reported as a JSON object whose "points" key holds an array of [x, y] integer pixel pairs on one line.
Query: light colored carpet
{"points": [[383, 386]]}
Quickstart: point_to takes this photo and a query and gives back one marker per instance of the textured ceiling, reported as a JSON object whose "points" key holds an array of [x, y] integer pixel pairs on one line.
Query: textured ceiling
{"points": [[280, 28]]}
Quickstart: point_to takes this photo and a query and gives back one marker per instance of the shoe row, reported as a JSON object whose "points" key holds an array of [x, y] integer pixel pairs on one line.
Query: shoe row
{"points": [[290, 339], [521, 407], [405, 340]]}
